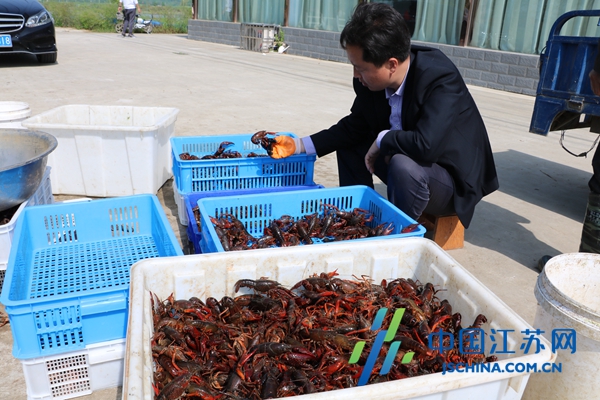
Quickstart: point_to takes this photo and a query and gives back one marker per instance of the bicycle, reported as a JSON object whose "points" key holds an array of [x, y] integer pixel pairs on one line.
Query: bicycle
{"points": [[140, 24]]}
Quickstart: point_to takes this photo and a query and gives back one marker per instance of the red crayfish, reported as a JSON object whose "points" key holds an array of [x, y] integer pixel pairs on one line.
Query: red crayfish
{"points": [[282, 342], [187, 156], [222, 153], [267, 143]]}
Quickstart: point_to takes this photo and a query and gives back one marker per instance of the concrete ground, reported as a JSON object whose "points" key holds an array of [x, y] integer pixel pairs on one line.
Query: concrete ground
{"points": [[221, 89]]}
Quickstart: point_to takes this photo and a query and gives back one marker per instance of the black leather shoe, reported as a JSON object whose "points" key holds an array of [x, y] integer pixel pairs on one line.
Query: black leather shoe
{"points": [[542, 262]]}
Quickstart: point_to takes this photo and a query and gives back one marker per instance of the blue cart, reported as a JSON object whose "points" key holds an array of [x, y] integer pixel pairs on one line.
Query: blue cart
{"points": [[564, 97]]}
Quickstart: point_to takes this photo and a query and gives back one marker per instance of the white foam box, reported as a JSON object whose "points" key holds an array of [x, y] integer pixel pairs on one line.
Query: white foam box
{"points": [[43, 195], [106, 151], [75, 373], [214, 274]]}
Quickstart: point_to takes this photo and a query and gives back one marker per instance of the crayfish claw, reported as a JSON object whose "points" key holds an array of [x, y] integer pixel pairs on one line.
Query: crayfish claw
{"points": [[266, 143], [258, 136]]}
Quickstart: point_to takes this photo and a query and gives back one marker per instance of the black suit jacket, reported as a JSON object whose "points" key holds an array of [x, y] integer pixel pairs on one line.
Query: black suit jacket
{"points": [[441, 124]]}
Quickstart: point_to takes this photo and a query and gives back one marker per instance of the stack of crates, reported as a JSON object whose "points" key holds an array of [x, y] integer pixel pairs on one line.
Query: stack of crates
{"points": [[43, 195], [196, 179], [66, 289], [194, 226]]}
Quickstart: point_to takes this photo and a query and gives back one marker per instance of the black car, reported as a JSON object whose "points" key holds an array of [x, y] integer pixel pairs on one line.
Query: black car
{"points": [[27, 27]]}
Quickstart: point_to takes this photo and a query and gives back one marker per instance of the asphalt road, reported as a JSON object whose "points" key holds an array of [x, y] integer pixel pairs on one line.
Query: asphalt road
{"points": [[221, 89]]}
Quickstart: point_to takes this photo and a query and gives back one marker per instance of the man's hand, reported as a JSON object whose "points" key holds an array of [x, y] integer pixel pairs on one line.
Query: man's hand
{"points": [[284, 147], [595, 82], [371, 156]]}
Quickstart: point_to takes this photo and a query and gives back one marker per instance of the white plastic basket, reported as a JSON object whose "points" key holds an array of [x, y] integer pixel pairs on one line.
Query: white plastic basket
{"points": [[215, 274], [106, 151], [12, 113], [43, 195], [180, 201], [76, 373]]}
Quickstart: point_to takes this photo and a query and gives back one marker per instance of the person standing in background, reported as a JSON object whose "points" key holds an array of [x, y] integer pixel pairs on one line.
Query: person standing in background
{"points": [[590, 232], [129, 8]]}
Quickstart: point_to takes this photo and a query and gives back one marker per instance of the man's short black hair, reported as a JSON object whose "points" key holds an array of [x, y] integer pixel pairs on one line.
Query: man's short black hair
{"points": [[380, 31]]}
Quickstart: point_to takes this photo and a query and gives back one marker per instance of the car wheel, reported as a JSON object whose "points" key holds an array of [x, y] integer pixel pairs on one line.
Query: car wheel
{"points": [[119, 27], [47, 58], [148, 28]]}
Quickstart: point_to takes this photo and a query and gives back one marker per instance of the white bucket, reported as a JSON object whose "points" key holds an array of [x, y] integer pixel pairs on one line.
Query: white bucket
{"points": [[12, 113], [568, 295]]}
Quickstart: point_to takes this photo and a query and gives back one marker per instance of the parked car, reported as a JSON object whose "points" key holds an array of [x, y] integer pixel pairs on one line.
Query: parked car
{"points": [[27, 27]]}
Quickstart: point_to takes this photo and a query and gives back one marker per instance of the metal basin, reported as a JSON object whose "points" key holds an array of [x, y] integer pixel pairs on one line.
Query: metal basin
{"points": [[23, 157]]}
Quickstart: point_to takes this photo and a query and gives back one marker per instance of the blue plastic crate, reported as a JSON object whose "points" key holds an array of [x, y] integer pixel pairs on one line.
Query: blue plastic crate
{"points": [[236, 173], [193, 230], [256, 211], [67, 280]]}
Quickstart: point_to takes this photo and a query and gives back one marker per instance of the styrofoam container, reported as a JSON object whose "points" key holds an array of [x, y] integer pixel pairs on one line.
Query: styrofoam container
{"points": [[43, 195], [106, 151], [75, 373], [215, 274], [13, 113]]}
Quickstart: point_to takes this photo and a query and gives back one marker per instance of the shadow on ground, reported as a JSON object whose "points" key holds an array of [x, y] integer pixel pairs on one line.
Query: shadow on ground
{"points": [[544, 183], [502, 231], [20, 60], [533, 180]]}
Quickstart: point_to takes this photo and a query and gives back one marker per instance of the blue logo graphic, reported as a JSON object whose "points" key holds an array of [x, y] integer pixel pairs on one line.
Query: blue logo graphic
{"points": [[381, 338], [503, 347], [532, 337], [472, 341], [564, 339]]}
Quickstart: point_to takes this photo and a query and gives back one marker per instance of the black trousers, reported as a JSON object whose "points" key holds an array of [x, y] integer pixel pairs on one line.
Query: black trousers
{"points": [[414, 187], [594, 182], [129, 20]]}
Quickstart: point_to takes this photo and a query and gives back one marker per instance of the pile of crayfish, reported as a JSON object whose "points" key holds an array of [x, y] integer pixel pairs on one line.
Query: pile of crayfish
{"points": [[261, 138], [279, 342], [221, 153], [332, 225]]}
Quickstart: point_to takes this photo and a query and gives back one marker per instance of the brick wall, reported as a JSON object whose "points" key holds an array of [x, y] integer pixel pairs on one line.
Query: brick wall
{"points": [[323, 45], [214, 31], [512, 72]]}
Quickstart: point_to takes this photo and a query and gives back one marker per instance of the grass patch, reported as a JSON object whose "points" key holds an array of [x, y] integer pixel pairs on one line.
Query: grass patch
{"points": [[101, 17]]}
